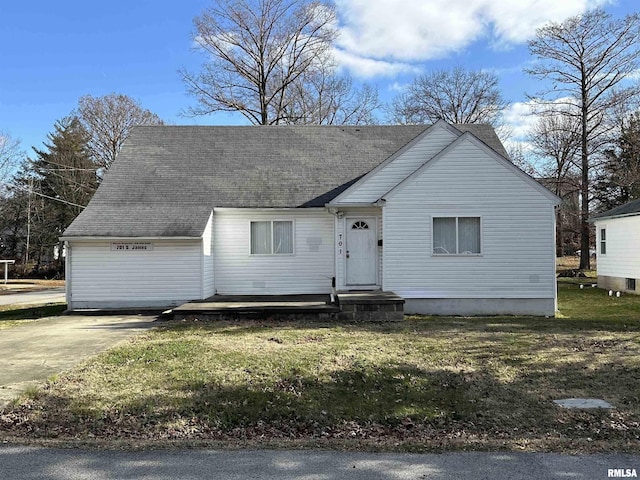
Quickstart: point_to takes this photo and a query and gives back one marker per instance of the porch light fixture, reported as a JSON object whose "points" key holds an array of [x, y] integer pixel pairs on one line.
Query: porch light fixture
{"points": [[336, 212]]}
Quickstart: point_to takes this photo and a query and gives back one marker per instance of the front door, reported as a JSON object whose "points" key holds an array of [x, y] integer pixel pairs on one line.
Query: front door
{"points": [[361, 251]]}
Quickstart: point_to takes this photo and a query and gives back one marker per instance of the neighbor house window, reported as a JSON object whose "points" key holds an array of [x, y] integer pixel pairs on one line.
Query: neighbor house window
{"points": [[603, 241], [456, 235], [631, 284], [272, 238]]}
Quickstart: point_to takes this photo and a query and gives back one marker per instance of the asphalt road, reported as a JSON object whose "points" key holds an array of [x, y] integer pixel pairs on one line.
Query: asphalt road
{"points": [[30, 463], [32, 298]]}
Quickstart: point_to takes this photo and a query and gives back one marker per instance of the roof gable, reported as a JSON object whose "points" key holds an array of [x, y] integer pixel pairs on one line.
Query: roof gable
{"points": [[406, 160], [450, 149], [369, 187]]}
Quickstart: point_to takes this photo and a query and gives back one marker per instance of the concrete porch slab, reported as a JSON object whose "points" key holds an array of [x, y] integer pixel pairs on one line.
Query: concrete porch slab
{"points": [[351, 306], [254, 306]]}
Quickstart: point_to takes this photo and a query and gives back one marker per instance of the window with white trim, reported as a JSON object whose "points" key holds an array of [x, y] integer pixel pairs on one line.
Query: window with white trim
{"points": [[603, 241], [456, 235], [272, 238]]}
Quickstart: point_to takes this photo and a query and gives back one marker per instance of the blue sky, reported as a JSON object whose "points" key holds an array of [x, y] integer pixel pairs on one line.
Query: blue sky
{"points": [[52, 53]]}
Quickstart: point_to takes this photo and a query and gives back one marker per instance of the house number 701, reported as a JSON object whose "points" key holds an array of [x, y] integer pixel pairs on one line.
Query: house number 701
{"points": [[339, 244]]}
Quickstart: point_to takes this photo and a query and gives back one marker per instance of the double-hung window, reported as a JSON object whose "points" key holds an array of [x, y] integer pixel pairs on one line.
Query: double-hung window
{"points": [[272, 238], [603, 241], [456, 236]]}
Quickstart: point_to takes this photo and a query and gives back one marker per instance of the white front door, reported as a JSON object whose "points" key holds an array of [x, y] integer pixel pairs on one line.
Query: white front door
{"points": [[361, 251]]}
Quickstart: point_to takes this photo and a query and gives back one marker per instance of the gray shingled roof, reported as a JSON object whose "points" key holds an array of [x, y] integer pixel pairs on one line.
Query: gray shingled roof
{"points": [[167, 179], [627, 209]]}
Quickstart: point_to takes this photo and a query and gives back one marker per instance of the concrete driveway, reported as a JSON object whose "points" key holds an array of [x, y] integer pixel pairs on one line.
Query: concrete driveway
{"points": [[31, 353]]}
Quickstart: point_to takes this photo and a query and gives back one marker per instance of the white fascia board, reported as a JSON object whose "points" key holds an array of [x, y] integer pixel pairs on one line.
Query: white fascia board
{"points": [[350, 205], [613, 217], [553, 198], [372, 172], [266, 209], [123, 239]]}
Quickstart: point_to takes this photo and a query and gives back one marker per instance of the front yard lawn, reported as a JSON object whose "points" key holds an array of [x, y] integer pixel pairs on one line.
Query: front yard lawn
{"points": [[429, 383]]}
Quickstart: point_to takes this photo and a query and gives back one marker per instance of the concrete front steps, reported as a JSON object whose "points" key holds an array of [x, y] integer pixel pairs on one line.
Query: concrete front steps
{"points": [[351, 306], [370, 307]]}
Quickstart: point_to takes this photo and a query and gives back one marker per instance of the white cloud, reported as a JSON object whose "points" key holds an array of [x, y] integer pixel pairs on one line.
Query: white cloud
{"points": [[516, 22], [370, 67], [398, 87], [408, 31], [520, 120]]}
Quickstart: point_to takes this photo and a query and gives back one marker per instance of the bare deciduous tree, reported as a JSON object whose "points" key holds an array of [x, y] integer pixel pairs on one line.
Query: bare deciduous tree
{"points": [[9, 156], [586, 58], [555, 139], [108, 121], [457, 96], [322, 98], [257, 53]]}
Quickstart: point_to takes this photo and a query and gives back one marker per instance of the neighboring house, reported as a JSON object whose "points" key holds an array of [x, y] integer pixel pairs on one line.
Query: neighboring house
{"points": [[436, 214], [618, 247]]}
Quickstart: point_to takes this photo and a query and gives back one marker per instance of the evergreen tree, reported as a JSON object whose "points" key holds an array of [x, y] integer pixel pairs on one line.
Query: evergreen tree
{"points": [[61, 179], [13, 223], [620, 179]]}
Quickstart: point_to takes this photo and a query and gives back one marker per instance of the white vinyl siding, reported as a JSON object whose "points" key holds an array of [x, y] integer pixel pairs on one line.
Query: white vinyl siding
{"points": [[622, 258], [389, 175], [169, 274], [517, 231], [308, 270], [208, 286]]}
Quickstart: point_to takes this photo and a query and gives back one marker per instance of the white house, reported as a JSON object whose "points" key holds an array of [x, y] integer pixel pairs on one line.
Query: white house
{"points": [[618, 247], [436, 214]]}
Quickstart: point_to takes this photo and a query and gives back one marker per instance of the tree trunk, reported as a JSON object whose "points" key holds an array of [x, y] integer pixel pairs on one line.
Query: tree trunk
{"points": [[559, 232], [584, 186]]}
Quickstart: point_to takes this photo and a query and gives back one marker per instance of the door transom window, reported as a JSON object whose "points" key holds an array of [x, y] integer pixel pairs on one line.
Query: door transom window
{"points": [[360, 225]]}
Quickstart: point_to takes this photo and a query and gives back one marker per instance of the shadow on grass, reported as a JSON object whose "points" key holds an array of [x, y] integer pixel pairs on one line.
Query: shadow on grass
{"points": [[371, 398], [32, 313], [421, 325], [427, 410]]}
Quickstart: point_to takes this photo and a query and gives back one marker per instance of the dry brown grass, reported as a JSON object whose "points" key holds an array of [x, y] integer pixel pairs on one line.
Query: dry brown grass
{"points": [[27, 285], [429, 383], [573, 261]]}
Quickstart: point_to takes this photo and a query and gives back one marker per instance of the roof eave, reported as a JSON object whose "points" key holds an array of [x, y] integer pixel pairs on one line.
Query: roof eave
{"points": [[69, 238], [610, 217]]}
